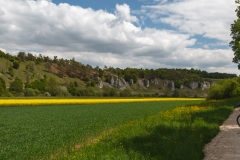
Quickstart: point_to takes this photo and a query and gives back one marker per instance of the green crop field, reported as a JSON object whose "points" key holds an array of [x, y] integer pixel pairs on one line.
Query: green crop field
{"points": [[43, 131]]}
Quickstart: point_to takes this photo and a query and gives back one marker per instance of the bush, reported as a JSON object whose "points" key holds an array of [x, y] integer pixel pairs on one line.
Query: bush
{"points": [[29, 92], [227, 89], [16, 85], [176, 93], [15, 65], [2, 86], [126, 93], [71, 89]]}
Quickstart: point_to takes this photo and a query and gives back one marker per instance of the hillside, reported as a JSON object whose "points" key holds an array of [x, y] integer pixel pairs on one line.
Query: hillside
{"points": [[76, 79]]}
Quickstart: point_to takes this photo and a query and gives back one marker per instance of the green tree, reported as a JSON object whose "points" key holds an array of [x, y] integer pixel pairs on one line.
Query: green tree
{"points": [[29, 92], [176, 93], [235, 33], [38, 84], [16, 85], [226, 89], [52, 86], [2, 87], [178, 84], [2, 54], [15, 65], [71, 89]]}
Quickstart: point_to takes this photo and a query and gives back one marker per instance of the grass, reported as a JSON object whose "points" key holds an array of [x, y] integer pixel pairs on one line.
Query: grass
{"points": [[42, 132], [177, 134]]}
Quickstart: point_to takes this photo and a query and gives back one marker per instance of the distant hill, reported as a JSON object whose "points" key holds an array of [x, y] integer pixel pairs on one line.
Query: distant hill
{"points": [[73, 78]]}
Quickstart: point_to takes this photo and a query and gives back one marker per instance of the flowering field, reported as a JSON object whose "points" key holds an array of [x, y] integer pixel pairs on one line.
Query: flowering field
{"points": [[24, 102]]}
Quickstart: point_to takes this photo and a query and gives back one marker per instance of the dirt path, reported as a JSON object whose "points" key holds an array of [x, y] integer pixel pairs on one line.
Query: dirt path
{"points": [[226, 145]]}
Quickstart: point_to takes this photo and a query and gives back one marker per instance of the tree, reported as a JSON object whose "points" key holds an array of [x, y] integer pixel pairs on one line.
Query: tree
{"points": [[2, 86], [2, 54], [52, 86], [38, 84], [15, 65], [10, 71], [21, 56], [16, 85], [235, 33], [71, 89]]}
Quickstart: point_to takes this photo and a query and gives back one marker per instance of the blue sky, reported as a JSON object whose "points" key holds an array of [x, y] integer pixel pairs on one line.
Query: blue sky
{"points": [[120, 33]]}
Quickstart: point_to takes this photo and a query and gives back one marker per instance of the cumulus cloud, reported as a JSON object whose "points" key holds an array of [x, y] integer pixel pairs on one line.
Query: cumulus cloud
{"points": [[97, 37], [33, 24], [211, 19]]}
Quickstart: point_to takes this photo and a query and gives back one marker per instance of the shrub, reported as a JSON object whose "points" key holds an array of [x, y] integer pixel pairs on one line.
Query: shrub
{"points": [[16, 85], [2, 86], [176, 93], [125, 93], [29, 92], [227, 89], [15, 65]]}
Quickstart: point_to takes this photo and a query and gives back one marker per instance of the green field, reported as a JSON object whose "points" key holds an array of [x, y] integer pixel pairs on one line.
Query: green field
{"points": [[44, 131], [176, 134]]}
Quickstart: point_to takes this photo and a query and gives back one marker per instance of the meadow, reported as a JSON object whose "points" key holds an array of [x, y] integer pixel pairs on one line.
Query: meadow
{"points": [[150, 130], [42, 132], [176, 134]]}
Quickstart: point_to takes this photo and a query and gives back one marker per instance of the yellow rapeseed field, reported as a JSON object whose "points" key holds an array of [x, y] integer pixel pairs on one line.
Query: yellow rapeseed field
{"points": [[11, 102]]}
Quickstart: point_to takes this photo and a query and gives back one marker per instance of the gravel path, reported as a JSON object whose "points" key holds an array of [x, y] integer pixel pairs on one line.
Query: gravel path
{"points": [[226, 145]]}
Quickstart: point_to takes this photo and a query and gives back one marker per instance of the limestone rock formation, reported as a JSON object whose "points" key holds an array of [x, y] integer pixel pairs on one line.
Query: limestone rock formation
{"points": [[146, 82], [154, 81], [119, 83], [169, 84], [131, 81], [205, 85], [99, 82], [193, 85]]}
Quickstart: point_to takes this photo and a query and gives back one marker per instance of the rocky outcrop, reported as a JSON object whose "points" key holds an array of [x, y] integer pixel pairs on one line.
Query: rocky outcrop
{"points": [[107, 84], [181, 86], [99, 82], [119, 83], [141, 84], [131, 81], [193, 85], [146, 82], [47, 94], [205, 85], [169, 84], [154, 81]]}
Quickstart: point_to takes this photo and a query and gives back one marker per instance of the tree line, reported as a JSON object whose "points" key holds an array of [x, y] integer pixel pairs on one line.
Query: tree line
{"points": [[74, 69]]}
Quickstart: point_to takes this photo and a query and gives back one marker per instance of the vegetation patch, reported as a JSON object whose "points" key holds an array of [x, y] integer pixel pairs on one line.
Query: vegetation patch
{"points": [[43, 132], [180, 133]]}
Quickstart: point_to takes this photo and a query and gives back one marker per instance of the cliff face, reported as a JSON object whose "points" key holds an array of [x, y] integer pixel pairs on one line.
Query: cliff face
{"points": [[154, 85], [119, 83]]}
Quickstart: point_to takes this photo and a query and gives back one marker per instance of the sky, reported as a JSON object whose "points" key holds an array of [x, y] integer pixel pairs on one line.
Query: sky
{"points": [[119, 33]]}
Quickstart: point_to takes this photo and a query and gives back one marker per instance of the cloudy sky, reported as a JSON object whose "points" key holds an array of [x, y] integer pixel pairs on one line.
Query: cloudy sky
{"points": [[122, 33]]}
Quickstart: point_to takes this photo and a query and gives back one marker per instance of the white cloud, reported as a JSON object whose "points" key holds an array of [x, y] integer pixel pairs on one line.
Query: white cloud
{"points": [[34, 24], [97, 37], [209, 18], [122, 12]]}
